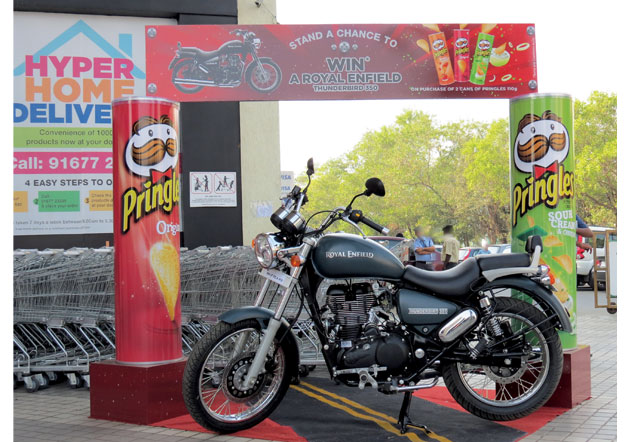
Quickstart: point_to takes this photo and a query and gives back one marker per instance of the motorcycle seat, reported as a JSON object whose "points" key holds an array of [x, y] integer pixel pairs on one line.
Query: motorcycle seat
{"points": [[200, 54], [453, 282], [503, 260]]}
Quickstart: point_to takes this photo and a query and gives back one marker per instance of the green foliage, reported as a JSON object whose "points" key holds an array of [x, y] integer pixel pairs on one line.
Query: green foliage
{"points": [[458, 173]]}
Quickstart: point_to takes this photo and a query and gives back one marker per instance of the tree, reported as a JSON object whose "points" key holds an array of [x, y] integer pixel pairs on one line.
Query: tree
{"points": [[595, 131]]}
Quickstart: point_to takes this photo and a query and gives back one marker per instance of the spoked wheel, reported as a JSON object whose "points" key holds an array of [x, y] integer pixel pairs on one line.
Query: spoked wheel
{"points": [[503, 388], [213, 384], [264, 77]]}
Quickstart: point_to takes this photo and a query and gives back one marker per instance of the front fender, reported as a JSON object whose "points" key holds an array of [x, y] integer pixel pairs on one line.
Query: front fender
{"points": [[263, 315], [543, 296]]}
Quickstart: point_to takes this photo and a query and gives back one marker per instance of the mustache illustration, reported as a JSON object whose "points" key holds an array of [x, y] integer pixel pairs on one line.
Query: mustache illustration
{"points": [[539, 145], [153, 151]]}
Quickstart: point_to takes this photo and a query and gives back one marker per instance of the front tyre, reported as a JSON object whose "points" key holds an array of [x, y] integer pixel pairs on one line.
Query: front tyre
{"points": [[212, 384], [264, 77], [502, 392]]}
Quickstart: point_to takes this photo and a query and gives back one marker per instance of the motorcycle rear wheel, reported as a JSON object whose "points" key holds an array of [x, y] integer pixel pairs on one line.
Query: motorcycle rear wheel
{"points": [[517, 391], [211, 385], [179, 71]]}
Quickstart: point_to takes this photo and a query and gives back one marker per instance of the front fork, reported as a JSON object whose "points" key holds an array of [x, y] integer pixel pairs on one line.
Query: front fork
{"points": [[275, 322]]}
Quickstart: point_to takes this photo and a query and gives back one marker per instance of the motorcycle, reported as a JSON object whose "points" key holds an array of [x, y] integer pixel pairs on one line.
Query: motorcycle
{"points": [[193, 69], [499, 355]]}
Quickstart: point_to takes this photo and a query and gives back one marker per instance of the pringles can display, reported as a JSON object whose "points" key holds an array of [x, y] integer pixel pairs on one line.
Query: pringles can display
{"points": [[146, 208], [461, 64], [481, 58], [441, 58], [543, 189]]}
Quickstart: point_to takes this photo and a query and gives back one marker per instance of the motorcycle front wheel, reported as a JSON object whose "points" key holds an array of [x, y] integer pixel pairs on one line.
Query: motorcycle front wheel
{"points": [[503, 393], [213, 378], [265, 79]]}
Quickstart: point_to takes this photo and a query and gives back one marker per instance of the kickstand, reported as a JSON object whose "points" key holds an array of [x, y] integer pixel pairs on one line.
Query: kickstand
{"points": [[404, 420]]}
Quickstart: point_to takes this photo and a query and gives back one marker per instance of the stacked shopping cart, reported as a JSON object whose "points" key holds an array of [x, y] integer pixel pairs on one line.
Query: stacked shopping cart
{"points": [[64, 307]]}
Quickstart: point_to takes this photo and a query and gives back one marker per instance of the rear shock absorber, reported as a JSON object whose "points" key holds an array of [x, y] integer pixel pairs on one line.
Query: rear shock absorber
{"points": [[492, 323]]}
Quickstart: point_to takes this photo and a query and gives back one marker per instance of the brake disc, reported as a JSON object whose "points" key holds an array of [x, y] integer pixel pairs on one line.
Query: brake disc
{"points": [[234, 376]]}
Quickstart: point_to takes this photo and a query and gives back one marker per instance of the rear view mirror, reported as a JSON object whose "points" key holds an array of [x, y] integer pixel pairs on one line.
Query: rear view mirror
{"points": [[310, 168], [374, 186]]}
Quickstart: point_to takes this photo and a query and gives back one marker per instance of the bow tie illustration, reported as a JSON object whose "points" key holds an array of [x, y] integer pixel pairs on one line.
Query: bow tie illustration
{"points": [[538, 171], [157, 176]]}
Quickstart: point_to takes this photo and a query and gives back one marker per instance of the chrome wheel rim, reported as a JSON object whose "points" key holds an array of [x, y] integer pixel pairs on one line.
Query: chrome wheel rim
{"points": [[517, 385], [214, 394]]}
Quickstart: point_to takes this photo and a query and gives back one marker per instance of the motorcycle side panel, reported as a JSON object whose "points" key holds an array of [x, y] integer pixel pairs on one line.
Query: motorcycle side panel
{"points": [[342, 255], [420, 309]]}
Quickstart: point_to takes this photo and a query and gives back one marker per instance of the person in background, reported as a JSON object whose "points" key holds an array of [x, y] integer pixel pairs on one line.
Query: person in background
{"points": [[583, 230], [424, 249], [485, 248], [450, 248]]}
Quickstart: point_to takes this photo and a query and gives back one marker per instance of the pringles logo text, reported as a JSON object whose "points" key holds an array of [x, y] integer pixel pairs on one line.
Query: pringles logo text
{"points": [[540, 147], [151, 152]]}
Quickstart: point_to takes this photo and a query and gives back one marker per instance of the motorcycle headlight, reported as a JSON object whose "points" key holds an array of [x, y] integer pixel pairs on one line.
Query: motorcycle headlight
{"points": [[266, 247], [256, 43]]}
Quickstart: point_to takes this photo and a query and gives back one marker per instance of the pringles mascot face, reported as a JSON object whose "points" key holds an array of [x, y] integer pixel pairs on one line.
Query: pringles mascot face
{"points": [[542, 143], [151, 150]]}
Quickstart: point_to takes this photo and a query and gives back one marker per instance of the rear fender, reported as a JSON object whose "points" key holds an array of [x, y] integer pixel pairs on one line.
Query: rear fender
{"points": [[540, 294], [263, 315]]}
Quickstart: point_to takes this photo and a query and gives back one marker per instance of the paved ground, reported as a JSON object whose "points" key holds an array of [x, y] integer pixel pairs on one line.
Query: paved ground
{"points": [[60, 414]]}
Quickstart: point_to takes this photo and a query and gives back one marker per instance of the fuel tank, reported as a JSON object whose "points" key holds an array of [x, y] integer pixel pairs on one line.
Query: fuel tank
{"points": [[342, 255]]}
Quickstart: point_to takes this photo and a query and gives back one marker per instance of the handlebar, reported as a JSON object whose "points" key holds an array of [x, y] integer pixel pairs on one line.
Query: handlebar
{"points": [[357, 217]]}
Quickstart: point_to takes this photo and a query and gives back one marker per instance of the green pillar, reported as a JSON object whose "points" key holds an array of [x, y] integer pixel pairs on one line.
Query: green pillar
{"points": [[542, 189]]}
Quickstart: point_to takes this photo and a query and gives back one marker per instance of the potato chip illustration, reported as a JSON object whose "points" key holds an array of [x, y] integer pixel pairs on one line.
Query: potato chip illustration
{"points": [[488, 27], [500, 49], [462, 65], [561, 291], [433, 27], [552, 241], [166, 266], [424, 45], [462, 26], [530, 221], [565, 262]]}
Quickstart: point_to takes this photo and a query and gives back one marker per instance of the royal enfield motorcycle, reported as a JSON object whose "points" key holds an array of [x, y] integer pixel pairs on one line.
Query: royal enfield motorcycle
{"points": [[192, 68], [488, 327]]}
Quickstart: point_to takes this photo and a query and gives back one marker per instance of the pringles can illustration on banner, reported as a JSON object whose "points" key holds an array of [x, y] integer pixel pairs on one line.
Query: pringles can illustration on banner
{"points": [[543, 189], [146, 194], [441, 58], [461, 54], [481, 58]]}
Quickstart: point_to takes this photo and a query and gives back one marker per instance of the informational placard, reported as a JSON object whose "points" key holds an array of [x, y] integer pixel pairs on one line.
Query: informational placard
{"points": [[67, 69], [212, 189], [287, 181], [340, 62]]}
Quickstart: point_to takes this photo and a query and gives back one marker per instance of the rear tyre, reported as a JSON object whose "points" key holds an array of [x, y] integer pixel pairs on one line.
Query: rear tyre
{"points": [[184, 71], [508, 393], [212, 383]]}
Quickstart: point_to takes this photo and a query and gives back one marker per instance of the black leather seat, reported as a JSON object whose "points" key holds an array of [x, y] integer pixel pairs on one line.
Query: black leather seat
{"points": [[503, 260], [200, 54], [453, 282]]}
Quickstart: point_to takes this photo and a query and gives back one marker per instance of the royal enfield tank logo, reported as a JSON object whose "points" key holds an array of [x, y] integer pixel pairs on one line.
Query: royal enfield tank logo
{"points": [[349, 254], [428, 311], [151, 152], [540, 147]]}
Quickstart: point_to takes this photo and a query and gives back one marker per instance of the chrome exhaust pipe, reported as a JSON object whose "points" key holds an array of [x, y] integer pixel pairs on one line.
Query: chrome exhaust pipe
{"points": [[458, 325]]}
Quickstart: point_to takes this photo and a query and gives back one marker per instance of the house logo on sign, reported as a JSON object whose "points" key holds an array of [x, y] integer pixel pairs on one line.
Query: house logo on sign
{"points": [[224, 183], [201, 183]]}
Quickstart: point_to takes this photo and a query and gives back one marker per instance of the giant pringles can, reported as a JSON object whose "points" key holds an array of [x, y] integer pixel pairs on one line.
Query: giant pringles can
{"points": [[543, 189], [146, 209]]}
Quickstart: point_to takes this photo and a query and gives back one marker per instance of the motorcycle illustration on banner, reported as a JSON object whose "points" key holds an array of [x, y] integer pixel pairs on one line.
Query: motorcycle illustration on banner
{"points": [[228, 66], [399, 331]]}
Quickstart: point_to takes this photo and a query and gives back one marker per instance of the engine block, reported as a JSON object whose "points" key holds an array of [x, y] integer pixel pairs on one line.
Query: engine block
{"points": [[350, 304]]}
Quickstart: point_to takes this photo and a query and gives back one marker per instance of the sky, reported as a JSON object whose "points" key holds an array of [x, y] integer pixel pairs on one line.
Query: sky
{"points": [[570, 47]]}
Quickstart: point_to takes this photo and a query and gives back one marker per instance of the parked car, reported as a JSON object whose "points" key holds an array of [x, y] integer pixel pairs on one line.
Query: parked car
{"points": [[584, 262], [500, 248], [467, 252]]}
